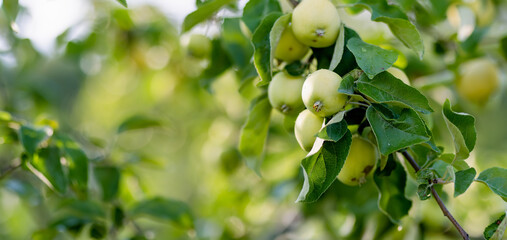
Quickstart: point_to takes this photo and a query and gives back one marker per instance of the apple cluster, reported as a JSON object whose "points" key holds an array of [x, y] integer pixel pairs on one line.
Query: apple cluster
{"points": [[316, 97]]}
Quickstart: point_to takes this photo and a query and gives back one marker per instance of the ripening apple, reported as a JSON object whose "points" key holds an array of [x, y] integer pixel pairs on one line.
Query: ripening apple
{"points": [[199, 46], [289, 49], [320, 93], [316, 23], [478, 80], [284, 93], [399, 74], [306, 127], [359, 163]]}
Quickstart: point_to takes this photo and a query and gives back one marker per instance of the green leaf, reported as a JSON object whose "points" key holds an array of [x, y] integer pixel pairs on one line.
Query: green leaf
{"points": [[235, 43], [77, 163], [84, 209], [46, 165], [204, 12], [347, 85], [45, 234], [123, 2], [462, 128], [370, 58], [255, 10], [32, 137], [276, 33], [219, 62], [166, 209], [334, 131], [385, 88], [262, 48], [338, 49], [395, 128], [503, 46], [496, 179], [463, 180], [325, 55], [391, 183], [496, 229], [108, 179], [138, 122], [424, 191], [11, 9], [5, 116], [98, 231], [254, 132], [397, 22], [321, 169], [472, 42]]}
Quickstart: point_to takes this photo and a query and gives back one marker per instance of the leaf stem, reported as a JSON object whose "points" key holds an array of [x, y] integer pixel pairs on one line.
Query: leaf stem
{"points": [[441, 204], [360, 104]]}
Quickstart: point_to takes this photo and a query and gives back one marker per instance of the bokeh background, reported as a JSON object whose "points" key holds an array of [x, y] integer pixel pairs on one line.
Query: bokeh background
{"points": [[92, 66]]}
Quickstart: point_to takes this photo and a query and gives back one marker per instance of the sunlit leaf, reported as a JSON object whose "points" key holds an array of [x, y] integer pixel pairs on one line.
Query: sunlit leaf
{"points": [[255, 10], [47, 166], [370, 58], [32, 137]]}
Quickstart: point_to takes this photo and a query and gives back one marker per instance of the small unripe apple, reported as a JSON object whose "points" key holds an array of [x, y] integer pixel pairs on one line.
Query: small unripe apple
{"points": [[289, 49], [284, 93], [316, 23], [199, 46], [306, 127], [479, 79], [320, 93], [399, 74], [359, 163]]}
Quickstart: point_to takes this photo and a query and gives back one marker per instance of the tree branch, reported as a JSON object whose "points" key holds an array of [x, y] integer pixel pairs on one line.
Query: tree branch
{"points": [[9, 170], [441, 204]]}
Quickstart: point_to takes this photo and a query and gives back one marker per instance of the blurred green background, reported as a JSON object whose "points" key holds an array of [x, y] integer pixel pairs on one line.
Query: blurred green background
{"points": [[129, 93]]}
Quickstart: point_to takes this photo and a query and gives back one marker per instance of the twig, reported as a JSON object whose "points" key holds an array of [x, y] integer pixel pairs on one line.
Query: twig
{"points": [[9, 170], [441, 204]]}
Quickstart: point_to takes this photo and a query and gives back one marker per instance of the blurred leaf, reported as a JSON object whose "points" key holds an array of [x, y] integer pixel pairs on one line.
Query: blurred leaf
{"points": [[204, 12], [11, 8], [84, 209], [370, 58], [462, 128], [471, 43], [32, 137], [254, 132], [219, 62], [391, 183], [463, 180], [47, 166], [237, 45], [108, 179], [45, 234], [296, 68], [394, 128], [26, 190], [255, 10], [503, 47], [338, 49], [496, 179], [5, 116], [397, 21], [118, 216], [122, 2], [496, 229], [165, 209], [98, 231], [262, 48], [321, 169], [77, 163], [385, 88], [138, 122], [70, 223]]}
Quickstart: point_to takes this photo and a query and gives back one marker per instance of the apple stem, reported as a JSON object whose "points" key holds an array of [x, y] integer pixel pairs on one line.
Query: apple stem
{"points": [[437, 198], [317, 106]]}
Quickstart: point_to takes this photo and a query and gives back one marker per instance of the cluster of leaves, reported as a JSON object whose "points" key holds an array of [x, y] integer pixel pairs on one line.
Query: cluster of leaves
{"points": [[395, 112], [61, 164]]}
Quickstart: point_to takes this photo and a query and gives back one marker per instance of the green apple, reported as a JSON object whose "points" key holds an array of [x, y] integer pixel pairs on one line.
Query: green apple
{"points": [[199, 46], [484, 11], [320, 93], [478, 80], [359, 163], [284, 93], [399, 74], [316, 23], [289, 49], [306, 127]]}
